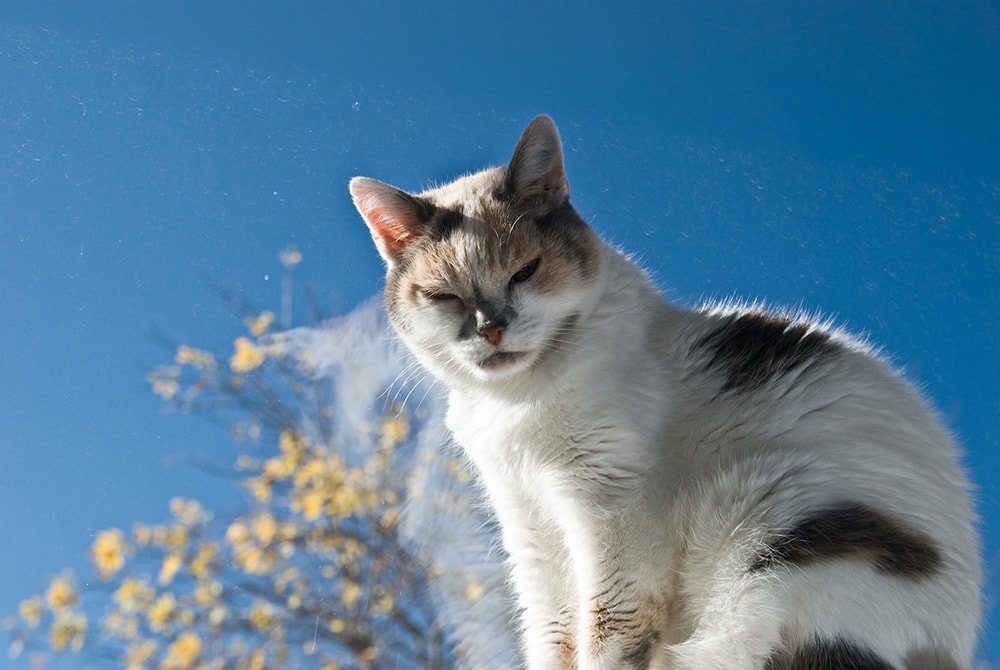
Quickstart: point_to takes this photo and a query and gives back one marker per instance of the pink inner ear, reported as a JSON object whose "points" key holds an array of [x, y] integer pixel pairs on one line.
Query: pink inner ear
{"points": [[391, 215], [392, 234]]}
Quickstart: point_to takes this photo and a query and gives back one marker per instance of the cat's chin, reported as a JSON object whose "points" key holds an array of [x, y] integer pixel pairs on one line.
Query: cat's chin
{"points": [[503, 363], [502, 359]]}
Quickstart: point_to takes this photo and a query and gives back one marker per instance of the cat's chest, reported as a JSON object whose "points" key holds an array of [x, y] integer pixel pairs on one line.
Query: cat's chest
{"points": [[502, 434], [547, 440]]}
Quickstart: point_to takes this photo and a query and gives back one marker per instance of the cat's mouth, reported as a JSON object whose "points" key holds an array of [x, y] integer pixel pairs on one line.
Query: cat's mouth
{"points": [[502, 359]]}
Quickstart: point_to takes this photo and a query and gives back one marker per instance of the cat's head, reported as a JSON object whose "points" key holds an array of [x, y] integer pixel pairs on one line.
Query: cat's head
{"points": [[486, 275]]}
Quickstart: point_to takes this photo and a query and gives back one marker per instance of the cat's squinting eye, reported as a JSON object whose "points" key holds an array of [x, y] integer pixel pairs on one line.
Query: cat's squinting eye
{"points": [[525, 273], [439, 296]]}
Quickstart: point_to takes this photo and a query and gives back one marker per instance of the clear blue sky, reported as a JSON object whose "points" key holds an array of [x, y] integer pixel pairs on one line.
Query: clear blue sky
{"points": [[844, 157]]}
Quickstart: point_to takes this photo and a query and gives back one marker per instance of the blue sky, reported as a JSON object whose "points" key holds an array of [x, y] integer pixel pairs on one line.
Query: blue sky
{"points": [[843, 157]]}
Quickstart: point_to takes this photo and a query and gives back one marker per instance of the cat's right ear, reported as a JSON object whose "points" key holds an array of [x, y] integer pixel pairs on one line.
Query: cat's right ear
{"points": [[394, 217], [536, 176]]}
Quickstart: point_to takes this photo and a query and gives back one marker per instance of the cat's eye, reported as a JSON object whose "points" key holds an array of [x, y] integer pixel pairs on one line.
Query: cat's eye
{"points": [[439, 296], [525, 273]]}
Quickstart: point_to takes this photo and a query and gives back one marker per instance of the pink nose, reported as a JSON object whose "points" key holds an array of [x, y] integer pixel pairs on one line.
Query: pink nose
{"points": [[493, 334]]}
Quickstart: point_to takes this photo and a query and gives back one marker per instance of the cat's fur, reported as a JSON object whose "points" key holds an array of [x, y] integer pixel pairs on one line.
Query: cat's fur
{"points": [[722, 488]]}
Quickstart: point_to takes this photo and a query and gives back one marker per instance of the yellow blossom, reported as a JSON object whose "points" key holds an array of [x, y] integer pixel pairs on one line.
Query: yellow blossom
{"points": [[30, 610], [202, 360], [310, 504], [108, 552], [394, 430], [262, 617], [254, 561], [265, 527], [133, 595], [68, 631], [246, 357], [61, 594], [311, 470], [258, 660], [384, 604], [238, 534], [172, 562], [188, 512], [351, 593], [290, 442], [161, 612], [345, 500], [165, 387], [202, 561], [137, 654], [337, 626], [260, 488], [182, 652], [258, 325], [207, 592]]}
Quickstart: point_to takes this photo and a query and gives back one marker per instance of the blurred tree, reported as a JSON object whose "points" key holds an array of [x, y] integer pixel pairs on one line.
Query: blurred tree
{"points": [[362, 545]]}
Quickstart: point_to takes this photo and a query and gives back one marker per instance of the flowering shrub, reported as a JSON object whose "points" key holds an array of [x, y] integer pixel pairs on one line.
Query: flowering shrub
{"points": [[314, 573]]}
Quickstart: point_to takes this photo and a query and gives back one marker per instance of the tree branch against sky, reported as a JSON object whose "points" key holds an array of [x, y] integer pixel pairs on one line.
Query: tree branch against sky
{"points": [[361, 544]]}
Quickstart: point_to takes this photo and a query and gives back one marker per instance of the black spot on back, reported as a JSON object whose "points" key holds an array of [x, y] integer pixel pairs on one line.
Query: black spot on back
{"points": [[930, 659], [752, 348], [827, 655], [856, 531]]}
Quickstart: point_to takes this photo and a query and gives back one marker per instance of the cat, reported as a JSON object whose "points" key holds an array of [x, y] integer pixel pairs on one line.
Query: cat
{"points": [[719, 488]]}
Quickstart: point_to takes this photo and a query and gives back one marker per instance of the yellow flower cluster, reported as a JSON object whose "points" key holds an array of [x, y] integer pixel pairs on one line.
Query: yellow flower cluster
{"points": [[61, 594], [316, 552], [260, 324], [182, 652], [200, 359], [164, 382], [246, 356], [108, 552]]}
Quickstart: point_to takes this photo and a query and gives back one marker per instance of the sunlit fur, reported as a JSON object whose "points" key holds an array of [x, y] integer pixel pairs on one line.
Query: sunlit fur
{"points": [[646, 463]]}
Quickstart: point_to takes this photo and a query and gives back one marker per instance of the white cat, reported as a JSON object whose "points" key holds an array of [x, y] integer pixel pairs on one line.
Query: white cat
{"points": [[721, 488]]}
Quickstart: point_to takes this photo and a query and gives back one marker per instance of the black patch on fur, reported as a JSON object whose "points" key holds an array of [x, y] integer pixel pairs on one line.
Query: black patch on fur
{"points": [[754, 347], [853, 530], [442, 222], [571, 233], [827, 655], [930, 659]]}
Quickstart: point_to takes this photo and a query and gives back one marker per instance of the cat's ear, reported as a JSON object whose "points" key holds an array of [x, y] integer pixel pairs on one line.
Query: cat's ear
{"points": [[535, 176], [395, 218]]}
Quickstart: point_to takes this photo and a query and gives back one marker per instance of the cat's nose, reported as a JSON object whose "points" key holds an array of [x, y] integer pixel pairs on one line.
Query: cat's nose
{"points": [[493, 334]]}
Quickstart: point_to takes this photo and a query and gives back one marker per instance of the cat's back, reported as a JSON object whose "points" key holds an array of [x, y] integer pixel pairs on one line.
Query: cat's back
{"points": [[764, 381]]}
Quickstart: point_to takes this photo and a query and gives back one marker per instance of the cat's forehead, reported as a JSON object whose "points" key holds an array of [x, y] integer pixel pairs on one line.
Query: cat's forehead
{"points": [[467, 194]]}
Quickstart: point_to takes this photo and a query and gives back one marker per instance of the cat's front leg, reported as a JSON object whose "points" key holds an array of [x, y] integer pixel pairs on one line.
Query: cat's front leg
{"points": [[547, 618], [620, 601], [616, 630], [543, 584]]}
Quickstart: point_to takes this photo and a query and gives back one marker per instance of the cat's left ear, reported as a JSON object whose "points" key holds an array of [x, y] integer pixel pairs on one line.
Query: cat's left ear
{"points": [[536, 177], [394, 217]]}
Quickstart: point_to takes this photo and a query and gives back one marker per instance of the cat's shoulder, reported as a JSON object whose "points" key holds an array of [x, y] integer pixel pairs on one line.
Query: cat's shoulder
{"points": [[749, 345]]}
